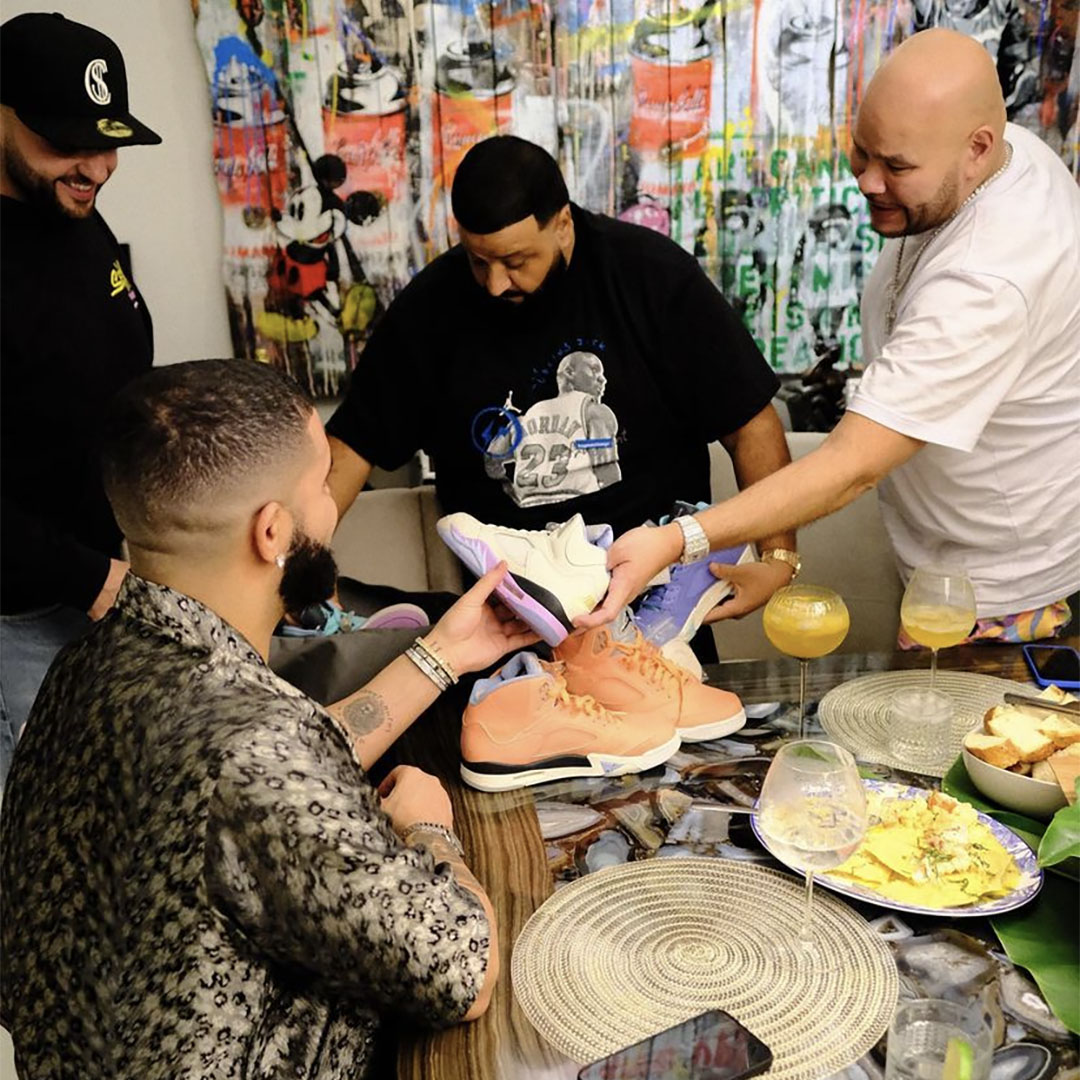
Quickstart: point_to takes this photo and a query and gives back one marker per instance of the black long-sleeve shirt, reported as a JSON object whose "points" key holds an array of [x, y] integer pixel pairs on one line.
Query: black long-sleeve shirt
{"points": [[73, 330]]}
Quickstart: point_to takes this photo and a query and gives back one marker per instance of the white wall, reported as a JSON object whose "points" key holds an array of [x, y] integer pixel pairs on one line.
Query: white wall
{"points": [[162, 200]]}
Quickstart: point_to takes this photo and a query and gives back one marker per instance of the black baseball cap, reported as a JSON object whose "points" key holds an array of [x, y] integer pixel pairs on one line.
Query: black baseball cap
{"points": [[67, 82]]}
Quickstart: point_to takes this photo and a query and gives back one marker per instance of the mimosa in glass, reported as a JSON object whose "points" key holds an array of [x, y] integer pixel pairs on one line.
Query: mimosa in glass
{"points": [[805, 621], [938, 610]]}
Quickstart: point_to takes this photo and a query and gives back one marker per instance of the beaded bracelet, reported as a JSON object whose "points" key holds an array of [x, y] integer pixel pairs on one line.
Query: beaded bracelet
{"points": [[435, 654], [439, 830], [436, 674]]}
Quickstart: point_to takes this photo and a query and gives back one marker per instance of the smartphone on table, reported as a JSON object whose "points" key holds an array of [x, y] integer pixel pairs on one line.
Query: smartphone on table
{"points": [[1054, 665], [710, 1046]]}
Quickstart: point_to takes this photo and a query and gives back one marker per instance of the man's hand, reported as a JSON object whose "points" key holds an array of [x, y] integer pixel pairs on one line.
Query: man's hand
{"points": [[473, 634], [753, 583], [634, 560], [410, 795], [107, 597]]}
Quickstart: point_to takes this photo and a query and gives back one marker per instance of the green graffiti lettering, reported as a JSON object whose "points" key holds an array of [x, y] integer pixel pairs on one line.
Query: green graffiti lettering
{"points": [[749, 280]]}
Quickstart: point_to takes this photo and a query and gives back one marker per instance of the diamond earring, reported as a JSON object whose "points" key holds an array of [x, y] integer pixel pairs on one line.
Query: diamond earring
{"points": [[280, 560]]}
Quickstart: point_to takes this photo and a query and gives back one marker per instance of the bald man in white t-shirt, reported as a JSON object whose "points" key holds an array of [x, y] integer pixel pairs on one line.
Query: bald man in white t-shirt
{"points": [[968, 415]]}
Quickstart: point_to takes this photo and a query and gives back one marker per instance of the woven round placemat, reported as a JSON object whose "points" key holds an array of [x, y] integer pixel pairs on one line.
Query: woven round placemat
{"points": [[856, 714], [626, 952]]}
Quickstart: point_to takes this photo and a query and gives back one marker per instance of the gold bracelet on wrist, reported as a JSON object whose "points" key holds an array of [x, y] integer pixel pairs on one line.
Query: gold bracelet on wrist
{"points": [[791, 558]]}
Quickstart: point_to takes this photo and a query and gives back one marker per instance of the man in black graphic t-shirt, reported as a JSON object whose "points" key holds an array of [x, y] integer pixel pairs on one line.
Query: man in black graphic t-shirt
{"points": [[495, 359], [73, 330]]}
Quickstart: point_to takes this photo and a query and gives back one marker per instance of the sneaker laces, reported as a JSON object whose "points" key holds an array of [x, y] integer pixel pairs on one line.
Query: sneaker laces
{"points": [[556, 691], [661, 596], [650, 662]]}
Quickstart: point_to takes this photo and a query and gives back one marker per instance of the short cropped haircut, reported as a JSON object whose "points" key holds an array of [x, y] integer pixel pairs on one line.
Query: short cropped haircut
{"points": [[503, 180], [184, 436]]}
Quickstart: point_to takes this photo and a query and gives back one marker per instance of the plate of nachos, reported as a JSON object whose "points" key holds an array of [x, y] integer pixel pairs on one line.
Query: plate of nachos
{"points": [[927, 853]]}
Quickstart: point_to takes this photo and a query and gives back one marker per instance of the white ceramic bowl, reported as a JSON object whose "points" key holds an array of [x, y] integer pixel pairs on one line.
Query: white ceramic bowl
{"points": [[1036, 798]]}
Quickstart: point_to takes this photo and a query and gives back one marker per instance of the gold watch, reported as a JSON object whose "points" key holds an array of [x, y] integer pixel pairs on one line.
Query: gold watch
{"points": [[782, 555]]}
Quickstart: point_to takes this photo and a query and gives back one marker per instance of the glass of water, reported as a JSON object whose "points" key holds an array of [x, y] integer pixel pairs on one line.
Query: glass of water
{"points": [[931, 1039], [920, 726], [812, 812]]}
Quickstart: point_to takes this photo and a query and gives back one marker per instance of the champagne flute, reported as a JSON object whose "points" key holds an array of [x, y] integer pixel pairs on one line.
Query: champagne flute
{"points": [[938, 609], [805, 621], [812, 812]]}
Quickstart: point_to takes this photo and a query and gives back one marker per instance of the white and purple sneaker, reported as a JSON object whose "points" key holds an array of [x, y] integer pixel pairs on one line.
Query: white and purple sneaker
{"points": [[554, 576], [676, 609]]}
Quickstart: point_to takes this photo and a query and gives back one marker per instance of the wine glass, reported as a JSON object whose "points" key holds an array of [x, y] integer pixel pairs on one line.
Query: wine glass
{"points": [[938, 609], [812, 812], [805, 621]]}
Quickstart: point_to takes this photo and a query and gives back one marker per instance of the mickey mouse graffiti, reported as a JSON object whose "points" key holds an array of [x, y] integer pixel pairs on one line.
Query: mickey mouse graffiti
{"points": [[304, 277]]}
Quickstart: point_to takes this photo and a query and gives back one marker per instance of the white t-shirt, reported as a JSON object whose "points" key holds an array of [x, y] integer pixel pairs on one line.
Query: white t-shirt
{"points": [[984, 365]]}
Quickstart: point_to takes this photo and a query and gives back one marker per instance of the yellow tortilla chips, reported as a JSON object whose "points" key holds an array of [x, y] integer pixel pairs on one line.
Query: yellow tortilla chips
{"points": [[931, 852]]}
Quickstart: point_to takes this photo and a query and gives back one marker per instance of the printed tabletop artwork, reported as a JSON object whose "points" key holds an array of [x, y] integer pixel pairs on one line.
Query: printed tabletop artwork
{"points": [[338, 125]]}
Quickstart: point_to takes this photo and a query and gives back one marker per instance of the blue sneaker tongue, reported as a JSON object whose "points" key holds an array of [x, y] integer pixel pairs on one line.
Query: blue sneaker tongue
{"points": [[524, 665]]}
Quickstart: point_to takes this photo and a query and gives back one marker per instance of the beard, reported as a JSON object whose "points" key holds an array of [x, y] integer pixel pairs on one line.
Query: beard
{"points": [[937, 211], [928, 215], [39, 190], [309, 576], [516, 298]]}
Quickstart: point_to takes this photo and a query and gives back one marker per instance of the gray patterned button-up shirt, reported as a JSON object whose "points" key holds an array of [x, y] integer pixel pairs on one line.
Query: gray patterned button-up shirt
{"points": [[197, 879]]}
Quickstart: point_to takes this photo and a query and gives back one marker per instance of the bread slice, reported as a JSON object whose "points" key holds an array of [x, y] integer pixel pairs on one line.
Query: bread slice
{"points": [[1013, 725], [1057, 695], [1061, 729], [1021, 768], [993, 749], [1069, 751], [1043, 770]]}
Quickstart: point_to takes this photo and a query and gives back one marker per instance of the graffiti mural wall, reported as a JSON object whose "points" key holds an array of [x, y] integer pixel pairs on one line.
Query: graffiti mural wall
{"points": [[339, 125]]}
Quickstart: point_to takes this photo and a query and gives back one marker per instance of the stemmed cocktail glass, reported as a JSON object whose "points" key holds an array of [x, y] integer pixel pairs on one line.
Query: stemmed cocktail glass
{"points": [[812, 813], [938, 609], [805, 621]]}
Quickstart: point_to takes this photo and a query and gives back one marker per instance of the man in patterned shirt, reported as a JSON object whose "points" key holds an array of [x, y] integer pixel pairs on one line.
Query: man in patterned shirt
{"points": [[198, 878]]}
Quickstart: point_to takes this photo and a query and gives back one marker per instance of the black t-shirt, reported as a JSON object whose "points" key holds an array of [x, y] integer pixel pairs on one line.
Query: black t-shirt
{"points": [[73, 330], [597, 396]]}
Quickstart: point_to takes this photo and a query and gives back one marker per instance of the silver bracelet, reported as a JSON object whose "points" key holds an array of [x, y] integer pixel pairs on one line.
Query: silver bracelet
{"points": [[439, 830], [422, 661], [435, 655]]}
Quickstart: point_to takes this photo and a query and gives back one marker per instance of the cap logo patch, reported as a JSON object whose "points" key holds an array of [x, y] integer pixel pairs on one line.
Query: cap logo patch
{"points": [[94, 80], [115, 129]]}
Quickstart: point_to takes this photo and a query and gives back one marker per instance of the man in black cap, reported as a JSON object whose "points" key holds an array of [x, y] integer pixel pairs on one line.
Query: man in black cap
{"points": [[73, 330]]}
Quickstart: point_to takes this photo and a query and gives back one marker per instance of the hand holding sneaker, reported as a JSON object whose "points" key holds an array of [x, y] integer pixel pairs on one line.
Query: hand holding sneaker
{"points": [[753, 584], [634, 560], [473, 634]]}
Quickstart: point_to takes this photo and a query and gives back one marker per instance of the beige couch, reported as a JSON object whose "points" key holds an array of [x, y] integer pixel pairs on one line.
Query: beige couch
{"points": [[389, 538]]}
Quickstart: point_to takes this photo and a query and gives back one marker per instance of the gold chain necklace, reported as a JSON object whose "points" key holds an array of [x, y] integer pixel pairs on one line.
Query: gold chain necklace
{"points": [[896, 286]]}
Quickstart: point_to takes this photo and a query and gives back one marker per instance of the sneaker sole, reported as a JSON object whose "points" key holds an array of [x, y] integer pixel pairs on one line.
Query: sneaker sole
{"points": [[705, 732], [398, 617], [535, 605], [509, 777]]}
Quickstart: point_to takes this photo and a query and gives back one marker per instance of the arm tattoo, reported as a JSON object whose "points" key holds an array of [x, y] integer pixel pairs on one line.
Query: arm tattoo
{"points": [[364, 713]]}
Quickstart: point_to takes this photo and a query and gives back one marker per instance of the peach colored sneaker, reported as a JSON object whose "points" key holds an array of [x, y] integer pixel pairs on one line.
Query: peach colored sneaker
{"points": [[634, 678], [522, 727]]}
